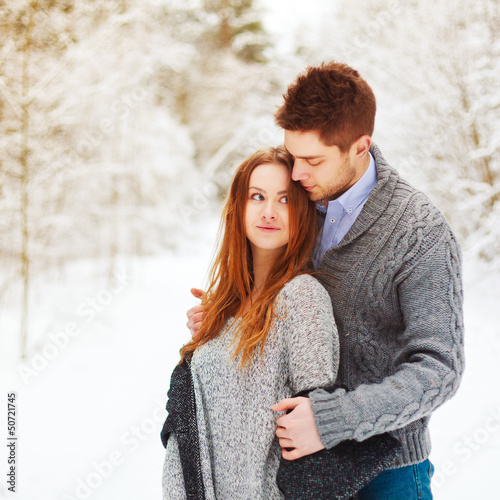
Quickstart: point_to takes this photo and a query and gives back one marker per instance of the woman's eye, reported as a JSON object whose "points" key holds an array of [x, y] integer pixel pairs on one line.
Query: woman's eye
{"points": [[257, 197], [284, 200]]}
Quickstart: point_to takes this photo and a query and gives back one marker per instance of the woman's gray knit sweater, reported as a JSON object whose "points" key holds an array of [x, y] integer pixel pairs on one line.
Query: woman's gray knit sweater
{"points": [[238, 447], [395, 285]]}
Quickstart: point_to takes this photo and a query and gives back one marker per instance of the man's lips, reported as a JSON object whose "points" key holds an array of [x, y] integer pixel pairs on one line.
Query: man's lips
{"points": [[308, 188]]}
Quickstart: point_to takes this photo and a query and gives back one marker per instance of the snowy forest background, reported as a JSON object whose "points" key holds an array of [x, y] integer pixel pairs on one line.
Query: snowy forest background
{"points": [[121, 122]]}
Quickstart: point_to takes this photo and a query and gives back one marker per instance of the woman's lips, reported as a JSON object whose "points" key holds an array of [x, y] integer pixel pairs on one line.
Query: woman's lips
{"points": [[268, 229]]}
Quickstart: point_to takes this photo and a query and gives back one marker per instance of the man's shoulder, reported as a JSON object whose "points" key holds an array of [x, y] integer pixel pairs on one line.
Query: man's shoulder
{"points": [[421, 213], [423, 228], [414, 203], [417, 222], [416, 200]]}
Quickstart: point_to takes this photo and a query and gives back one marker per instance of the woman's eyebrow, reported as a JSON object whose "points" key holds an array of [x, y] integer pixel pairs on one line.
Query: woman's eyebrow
{"points": [[264, 191]]}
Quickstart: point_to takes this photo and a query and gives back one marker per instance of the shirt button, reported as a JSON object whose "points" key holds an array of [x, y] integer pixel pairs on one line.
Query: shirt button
{"points": [[332, 220], [349, 210]]}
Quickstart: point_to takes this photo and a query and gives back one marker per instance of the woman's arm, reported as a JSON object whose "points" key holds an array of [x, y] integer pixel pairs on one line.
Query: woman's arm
{"points": [[311, 335], [313, 352]]}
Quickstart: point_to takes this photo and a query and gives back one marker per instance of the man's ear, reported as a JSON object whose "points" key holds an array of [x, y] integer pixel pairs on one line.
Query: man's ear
{"points": [[361, 146]]}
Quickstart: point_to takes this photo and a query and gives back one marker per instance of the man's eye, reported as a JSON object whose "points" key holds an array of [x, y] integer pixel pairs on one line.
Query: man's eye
{"points": [[314, 164], [257, 197]]}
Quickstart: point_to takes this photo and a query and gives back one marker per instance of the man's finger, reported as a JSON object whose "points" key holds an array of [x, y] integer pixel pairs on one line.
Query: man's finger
{"points": [[196, 292], [193, 327], [196, 318], [286, 443], [282, 421], [194, 321], [291, 455], [281, 432], [194, 310], [286, 404]]}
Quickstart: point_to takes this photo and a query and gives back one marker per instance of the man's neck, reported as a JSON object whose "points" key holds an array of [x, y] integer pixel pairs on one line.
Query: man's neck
{"points": [[361, 169]]}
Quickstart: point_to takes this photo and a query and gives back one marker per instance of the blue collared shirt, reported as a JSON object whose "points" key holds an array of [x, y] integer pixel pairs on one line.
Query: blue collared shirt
{"points": [[342, 212]]}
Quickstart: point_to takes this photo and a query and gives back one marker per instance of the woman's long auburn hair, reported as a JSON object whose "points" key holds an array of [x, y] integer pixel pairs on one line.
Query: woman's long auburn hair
{"points": [[231, 274]]}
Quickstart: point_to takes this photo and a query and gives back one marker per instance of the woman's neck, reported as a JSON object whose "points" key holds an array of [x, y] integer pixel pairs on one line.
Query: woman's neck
{"points": [[260, 273], [263, 262]]}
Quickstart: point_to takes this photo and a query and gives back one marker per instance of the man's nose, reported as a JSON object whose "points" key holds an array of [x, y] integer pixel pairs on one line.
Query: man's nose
{"points": [[299, 171]]}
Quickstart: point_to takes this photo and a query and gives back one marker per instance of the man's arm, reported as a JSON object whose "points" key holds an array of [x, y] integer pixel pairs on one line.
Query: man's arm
{"points": [[428, 362]]}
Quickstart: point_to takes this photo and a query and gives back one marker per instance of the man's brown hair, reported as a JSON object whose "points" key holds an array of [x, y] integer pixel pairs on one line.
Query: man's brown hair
{"points": [[331, 99]]}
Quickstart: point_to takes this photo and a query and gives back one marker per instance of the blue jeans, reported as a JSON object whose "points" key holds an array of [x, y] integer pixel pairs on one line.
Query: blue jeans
{"points": [[412, 482]]}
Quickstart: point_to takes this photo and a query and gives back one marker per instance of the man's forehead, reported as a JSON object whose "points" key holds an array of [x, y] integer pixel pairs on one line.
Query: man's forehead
{"points": [[305, 144]]}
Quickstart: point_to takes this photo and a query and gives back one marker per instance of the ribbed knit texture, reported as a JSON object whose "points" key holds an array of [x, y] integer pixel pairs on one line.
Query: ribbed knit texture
{"points": [[396, 291], [239, 450], [181, 425]]}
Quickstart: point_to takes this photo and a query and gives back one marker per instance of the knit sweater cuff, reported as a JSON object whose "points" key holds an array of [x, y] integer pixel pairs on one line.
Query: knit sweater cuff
{"points": [[329, 417]]}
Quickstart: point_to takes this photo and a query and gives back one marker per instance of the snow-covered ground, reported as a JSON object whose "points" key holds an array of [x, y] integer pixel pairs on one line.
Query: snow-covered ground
{"points": [[90, 412], [90, 404]]}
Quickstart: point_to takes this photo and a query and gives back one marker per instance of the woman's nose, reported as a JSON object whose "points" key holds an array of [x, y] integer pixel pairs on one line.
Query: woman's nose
{"points": [[269, 212]]}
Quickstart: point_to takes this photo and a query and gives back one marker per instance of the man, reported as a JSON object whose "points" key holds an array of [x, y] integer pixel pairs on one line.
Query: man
{"points": [[392, 268]]}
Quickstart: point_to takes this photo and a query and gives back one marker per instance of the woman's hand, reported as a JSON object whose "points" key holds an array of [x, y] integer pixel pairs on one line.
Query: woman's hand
{"points": [[195, 314]]}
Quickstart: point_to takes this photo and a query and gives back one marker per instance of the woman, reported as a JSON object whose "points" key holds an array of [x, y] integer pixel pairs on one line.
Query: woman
{"points": [[267, 333]]}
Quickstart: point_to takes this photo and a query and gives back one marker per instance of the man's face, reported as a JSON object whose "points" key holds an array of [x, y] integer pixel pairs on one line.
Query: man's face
{"points": [[324, 172]]}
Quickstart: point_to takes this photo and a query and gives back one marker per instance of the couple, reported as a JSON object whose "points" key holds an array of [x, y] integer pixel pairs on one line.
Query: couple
{"points": [[335, 296]]}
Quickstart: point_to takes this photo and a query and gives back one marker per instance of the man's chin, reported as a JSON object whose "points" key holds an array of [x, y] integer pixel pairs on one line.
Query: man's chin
{"points": [[314, 196]]}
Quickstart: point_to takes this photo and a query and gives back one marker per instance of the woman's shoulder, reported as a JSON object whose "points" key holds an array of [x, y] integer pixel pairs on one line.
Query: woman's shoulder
{"points": [[304, 309], [305, 288]]}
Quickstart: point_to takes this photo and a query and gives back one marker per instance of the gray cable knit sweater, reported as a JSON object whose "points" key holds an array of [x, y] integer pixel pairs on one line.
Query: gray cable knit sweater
{"points": [[395, 285], [238, 448]]}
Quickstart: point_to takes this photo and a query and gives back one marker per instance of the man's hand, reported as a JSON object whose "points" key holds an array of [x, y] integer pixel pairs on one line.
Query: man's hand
{"points": [[297, 429], [195, 314]]}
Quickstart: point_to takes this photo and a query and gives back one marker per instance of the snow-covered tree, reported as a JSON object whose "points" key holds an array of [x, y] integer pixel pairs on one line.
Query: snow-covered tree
{"points": [[91, 163], [235, 25], [34, 34], [435, 69], [227, 83]]}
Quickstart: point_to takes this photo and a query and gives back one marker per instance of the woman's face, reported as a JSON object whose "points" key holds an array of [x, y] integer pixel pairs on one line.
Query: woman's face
{"points": [[266, 211]]}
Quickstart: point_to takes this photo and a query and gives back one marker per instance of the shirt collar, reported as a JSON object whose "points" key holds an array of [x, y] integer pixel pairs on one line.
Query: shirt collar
{"points": [[357, 193]]}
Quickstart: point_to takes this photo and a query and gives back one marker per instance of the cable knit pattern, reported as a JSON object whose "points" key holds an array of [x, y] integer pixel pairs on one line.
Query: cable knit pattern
{"points": [[238, 448], [395, 286]]}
